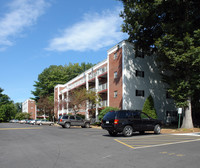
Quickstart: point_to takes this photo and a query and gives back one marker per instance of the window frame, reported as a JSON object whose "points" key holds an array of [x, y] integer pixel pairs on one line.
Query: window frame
{"points": [[140, 93]]}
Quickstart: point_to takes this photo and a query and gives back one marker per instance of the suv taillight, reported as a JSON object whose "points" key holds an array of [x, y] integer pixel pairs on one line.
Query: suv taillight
{"points": [[116, 121], [60, 120]]}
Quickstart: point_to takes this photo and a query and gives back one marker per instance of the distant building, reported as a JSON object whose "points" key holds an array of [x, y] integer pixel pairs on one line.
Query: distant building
{"points": [[29, 106], [123, 80]]}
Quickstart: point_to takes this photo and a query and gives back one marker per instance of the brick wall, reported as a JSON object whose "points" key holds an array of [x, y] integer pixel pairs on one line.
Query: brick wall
{"points": [[115, 84]]}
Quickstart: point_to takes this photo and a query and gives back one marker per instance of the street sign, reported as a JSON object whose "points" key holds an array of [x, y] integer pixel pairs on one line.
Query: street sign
{"points": [[180, 110]]}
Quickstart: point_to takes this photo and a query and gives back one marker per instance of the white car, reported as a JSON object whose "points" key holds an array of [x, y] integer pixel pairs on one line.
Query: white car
{"points": [[45, 122], [22, 121], [32, 122]]}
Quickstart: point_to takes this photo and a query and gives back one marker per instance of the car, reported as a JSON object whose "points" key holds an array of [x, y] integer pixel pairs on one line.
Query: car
{"points": [[13, 121], [37, 122], [66, 121], [46, 122], [129, 121], [22, 121], [32, 122]]}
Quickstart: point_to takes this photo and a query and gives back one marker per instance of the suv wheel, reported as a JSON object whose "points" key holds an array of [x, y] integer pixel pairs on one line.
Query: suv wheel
{"points": [[87, 125], [67, 125], [127, 131], [157, 129], [112, 133]]}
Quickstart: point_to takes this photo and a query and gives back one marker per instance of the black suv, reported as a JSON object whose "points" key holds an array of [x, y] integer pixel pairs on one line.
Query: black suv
{"points": [[129, 121], [66, 121]]}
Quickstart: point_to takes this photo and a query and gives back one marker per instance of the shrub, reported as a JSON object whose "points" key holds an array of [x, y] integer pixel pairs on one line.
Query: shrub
{"points": [[148, 107], [105, 110]]}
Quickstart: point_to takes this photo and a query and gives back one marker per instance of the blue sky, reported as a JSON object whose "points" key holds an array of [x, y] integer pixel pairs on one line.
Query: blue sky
{"points": [[35, 34]]}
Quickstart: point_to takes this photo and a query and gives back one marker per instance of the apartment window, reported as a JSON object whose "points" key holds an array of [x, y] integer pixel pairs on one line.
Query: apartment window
{"points": [[139, 73], [139, 93], [115, 93], [115, 75], [139, 54], [115, 56]]}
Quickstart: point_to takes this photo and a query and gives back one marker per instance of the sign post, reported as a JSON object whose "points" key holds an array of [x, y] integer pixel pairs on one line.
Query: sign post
{"points": [[179, 116]]}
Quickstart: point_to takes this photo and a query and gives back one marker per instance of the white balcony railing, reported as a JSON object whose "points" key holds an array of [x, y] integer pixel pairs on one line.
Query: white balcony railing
{"points": [[78, 83], [101, 70], [93, 89], [102, 87], [103, 103]]}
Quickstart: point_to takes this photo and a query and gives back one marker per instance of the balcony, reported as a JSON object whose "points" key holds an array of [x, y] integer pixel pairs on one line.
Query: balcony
{"points": [[103, 103], [78, 83], [102, 87], [101, 71]]}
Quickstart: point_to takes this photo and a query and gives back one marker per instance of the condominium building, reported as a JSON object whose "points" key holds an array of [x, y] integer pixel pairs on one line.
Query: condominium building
{"points": [[123, 80], [29, 106]]}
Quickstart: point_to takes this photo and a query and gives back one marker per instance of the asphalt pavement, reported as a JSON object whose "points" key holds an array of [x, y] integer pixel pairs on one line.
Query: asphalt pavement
{"points": [[27, 146]]}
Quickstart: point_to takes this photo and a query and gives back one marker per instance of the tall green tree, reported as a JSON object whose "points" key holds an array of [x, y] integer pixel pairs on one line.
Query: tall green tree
{"points": [[171, 30], [7, 107], [148, 107]]}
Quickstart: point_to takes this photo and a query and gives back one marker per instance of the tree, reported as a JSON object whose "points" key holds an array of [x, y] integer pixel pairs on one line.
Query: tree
{"points": [[18, 107], [105, 110], [45, 106], [7, 111], [79, 96], [7, 108], [148, 107], [22, 116], [171, 30]]}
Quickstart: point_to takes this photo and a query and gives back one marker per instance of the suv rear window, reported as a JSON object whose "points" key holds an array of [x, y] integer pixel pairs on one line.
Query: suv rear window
{"points": [[110, 115]]}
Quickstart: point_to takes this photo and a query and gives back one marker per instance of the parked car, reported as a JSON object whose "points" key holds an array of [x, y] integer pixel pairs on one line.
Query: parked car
{"points": [[46, 122], [37, 122], [129, 121], [66, 121], [32, 122], [22, 121], [14, 121]]}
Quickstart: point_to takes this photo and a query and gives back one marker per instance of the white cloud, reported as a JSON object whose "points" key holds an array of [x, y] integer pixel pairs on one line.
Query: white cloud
{"points": [[95, 31], [21, 14]]}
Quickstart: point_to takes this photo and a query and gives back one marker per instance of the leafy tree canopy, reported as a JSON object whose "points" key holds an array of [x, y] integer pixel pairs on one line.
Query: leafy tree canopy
{"points": [[7, 107]]}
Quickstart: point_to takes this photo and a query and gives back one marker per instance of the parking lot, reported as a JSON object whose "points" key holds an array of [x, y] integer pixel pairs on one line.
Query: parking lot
{"points": [[23, 145]]}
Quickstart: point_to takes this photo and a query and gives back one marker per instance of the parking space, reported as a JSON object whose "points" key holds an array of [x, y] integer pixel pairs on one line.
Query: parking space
{"points": [[156, 140]]}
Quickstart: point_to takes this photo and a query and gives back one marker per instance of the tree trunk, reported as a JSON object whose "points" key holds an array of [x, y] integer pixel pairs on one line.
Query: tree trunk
{"points": [[187, 116]]}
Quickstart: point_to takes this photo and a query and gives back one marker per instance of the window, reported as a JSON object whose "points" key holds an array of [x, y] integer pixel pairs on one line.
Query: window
{"points": [[139, 73], [78, 118], [139, 54], [139, 93], [72, 118], [144, 116], [115, 56], [65, 117], [115, 93], [115, 75]]}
